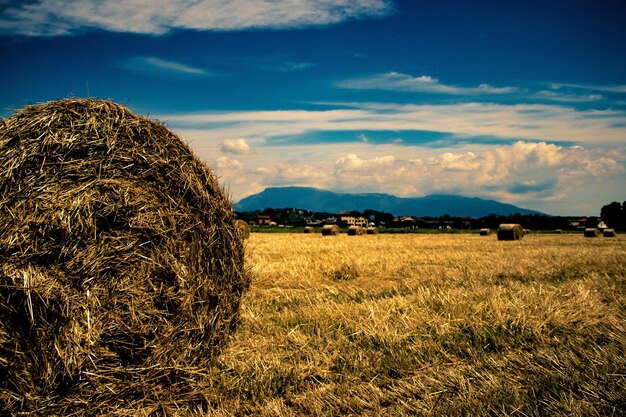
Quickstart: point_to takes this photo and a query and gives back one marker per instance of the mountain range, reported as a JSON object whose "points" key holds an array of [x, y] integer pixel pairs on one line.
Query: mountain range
{"points": [[318, 200]]}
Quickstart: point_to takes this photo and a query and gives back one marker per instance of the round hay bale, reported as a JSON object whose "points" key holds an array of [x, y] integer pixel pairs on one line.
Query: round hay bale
{"points": [[309, 229], [485, 232], [558, 231], [591, 232], [526, 231], [330, 230], [356, 231], [371, 230], [510, 231], [608, 233], [242, 228], [121, 272]]}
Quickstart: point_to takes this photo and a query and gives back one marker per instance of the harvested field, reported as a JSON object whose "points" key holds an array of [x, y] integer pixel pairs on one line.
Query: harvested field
{"points": [[428, 325]]}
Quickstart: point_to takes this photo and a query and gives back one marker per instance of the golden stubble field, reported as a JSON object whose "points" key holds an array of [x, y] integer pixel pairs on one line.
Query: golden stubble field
{"points": [[428, 324]]}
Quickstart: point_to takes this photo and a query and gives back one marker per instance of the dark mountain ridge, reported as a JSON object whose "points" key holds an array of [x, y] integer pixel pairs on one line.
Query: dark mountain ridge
{"points": [[327, 201]]}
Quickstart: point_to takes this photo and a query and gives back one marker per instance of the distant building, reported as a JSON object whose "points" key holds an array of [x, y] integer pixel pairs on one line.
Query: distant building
{"points": [[350, 220], [406, 221], [263, 220]]}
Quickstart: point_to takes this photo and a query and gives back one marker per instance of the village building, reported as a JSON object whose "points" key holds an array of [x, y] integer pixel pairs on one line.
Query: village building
{"points": [[263, 220], [348, 219]]}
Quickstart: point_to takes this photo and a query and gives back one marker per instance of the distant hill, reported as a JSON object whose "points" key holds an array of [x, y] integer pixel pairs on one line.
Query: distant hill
{"points": [[326, 201]]}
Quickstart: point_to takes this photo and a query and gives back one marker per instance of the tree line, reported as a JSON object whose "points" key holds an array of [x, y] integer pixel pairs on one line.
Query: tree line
{"points": [[613, 215]]}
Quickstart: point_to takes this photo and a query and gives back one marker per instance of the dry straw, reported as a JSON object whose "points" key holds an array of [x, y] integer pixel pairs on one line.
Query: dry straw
{"points": [[510, 231], [121, 271], [330, 230], [356, 231], [242, 228]]}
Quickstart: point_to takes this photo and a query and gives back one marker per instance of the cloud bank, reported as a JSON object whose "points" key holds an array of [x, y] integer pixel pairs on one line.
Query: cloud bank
{"points": [[49, 18], [546, 176], [548, 157], [508, 122]]}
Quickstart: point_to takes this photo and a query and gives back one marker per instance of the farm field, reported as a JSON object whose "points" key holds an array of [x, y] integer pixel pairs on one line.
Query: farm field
{"points": [[428, 325]]}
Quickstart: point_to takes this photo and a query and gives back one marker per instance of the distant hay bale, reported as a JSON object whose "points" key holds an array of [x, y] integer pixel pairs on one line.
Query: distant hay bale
{"points": [[356, 231], [330, 230], [309, 229], [526, 231], [242, 228], [558, 231], [608, 233], [121, 271], [592, 232], [510, 231], [485, 232], [371, 230]]}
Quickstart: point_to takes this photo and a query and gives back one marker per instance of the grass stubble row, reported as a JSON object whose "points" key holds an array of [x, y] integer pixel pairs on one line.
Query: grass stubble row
{"points": [[428, 325]]}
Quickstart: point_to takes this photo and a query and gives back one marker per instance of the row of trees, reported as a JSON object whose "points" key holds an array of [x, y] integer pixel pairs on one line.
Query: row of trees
{"points": [[613, 214]]}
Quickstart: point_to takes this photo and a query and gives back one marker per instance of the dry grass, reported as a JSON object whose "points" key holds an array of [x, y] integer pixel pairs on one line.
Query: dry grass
{"points": [[428, 325]]}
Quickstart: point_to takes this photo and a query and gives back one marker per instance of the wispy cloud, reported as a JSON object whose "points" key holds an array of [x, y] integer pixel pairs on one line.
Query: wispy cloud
{"points": [[67, 17], [155, 65], [568, 97], [592, 87], [536, 122], [289, 66], [395, 81]]}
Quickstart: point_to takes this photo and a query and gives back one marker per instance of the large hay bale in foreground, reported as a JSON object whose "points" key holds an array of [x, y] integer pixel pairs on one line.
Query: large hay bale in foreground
{"points": [[510, 231], [121, 272], [591, 232], [356, 231], [330, 230], [608, 233]]}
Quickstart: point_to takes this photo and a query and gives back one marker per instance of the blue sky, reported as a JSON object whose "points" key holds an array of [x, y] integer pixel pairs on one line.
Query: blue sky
{"points": [[520, 101]]}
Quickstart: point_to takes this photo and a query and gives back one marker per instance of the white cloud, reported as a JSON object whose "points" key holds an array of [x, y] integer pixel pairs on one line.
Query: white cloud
{"points": [[224, 163], [236, 146], [351, 162], [66, 17], [296, 172], [152, 64], [423, 84]]}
